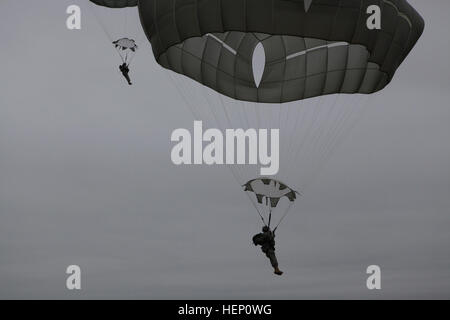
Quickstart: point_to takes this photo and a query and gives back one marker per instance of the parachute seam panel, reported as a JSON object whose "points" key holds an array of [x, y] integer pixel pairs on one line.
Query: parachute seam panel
{"points": [[217, 68], [198, 17], [306, 71], [284, 71], [174, 15], [235, 66], [325, 5], [328, 49], [288, 80]]}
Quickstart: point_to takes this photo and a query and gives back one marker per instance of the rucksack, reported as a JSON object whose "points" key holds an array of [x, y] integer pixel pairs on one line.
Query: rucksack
{"points": [[258, 239]]}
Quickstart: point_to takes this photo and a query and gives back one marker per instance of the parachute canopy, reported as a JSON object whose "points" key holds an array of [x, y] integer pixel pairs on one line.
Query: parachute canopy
{"points": [[311, 47], [270, 191], [125, 44], [116, 3], [126, 49]]}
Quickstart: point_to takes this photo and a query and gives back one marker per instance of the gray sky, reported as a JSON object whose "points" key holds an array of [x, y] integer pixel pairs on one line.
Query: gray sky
{"points": [[86, 179]]}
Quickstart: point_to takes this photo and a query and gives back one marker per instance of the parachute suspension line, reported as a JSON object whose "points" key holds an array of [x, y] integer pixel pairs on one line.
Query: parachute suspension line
{"points": [[131, 57], [212, 107], [329, 136], [327, 149], [252, 119], [196, 115], [300, 122], [270, 218], [306, 155], [237, 114], [224, 109], [262, 219], [281, 109], [244, 111], [125, 29], [336, 133], [118, 50], [223, 127], [100, 22], [257, 111], [340, 136], [279, 113], [258, 115], [103, 27], [257, 209], [235, 170], [304, 139], [284, 216], [319, 138], [284, 131], [333, 131], [241, 115], [284, 124], [323, 129], [299, 110], [142, 36], [183, 96], [228, 118], [190, 92]]}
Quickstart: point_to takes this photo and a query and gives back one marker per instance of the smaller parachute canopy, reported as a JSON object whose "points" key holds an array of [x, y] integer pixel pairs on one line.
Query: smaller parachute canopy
{"points": [[270, 191], [125, 44]]}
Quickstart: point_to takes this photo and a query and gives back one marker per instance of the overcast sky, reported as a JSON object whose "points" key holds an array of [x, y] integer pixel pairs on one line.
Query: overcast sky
{"points": [[86, 179]]}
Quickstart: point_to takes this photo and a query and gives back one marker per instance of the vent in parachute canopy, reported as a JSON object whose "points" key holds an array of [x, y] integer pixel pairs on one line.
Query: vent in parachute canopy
{"points": [[312, 47]]}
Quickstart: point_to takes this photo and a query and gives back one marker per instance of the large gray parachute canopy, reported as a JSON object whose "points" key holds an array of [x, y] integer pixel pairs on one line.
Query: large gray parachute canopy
{"points": [[310, 47], [116, 3], [270, 191]]}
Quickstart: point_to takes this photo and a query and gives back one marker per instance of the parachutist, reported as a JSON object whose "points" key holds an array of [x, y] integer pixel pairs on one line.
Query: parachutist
{"points": [[125, 70], [126, 47], [266, 240]]}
